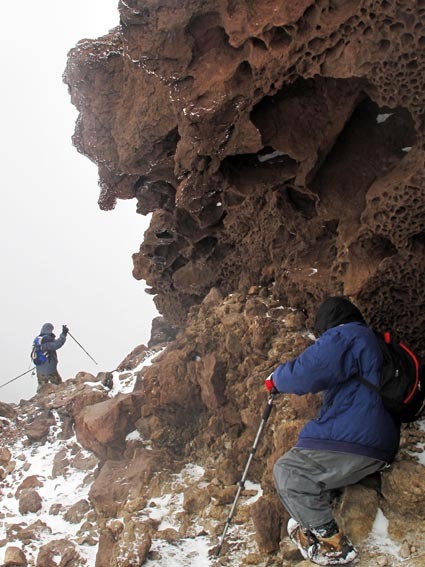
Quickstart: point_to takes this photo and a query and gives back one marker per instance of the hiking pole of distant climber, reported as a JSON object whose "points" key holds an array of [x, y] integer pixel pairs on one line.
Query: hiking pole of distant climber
{"points": [[89, 355], [20, 375], [241, 483]]}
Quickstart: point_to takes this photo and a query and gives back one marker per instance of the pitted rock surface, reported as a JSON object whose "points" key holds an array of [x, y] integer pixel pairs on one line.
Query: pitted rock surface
{"points": [[273, 142], [280, 148]]}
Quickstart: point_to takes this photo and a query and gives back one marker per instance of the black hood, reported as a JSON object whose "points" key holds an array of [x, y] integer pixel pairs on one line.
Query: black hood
{"points": [[335, 311]]}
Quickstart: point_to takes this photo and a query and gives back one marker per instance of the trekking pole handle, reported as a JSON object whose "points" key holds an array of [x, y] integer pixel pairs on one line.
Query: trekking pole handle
{"points": [[268, 408]]}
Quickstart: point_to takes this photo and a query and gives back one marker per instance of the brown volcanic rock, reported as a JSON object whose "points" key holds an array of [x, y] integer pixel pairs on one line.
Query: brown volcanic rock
{"points": [[39, 427], [29, 501], [14, 557], [196, 411], [404, 489], [102, 427], [7, 410], [58, 550], [271, 142], [5, 456], [121, 482], [280, 148]]}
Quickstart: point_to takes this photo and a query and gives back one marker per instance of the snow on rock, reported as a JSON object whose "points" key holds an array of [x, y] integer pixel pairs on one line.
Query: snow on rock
{"points": [[57, 492]]}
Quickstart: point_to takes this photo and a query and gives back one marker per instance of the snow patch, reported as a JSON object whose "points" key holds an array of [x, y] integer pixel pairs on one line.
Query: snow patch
{"points": [[66, 489], [420, 453], [251, 486], [271, 155], [134, 436], [187, 552], [381, 118], [379, 536], [123, 382]]}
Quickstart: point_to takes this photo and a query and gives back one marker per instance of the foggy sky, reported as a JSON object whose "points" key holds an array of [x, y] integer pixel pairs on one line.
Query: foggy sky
{"points": [[63, 260]]}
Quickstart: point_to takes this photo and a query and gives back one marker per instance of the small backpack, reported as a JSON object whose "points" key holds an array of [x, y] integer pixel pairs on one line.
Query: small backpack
{"points": [[38, 355], [402, 381]]}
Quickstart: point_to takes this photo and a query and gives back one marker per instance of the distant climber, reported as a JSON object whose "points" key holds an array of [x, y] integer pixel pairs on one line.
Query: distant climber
{"points": [[352, 437], [44, 354]]}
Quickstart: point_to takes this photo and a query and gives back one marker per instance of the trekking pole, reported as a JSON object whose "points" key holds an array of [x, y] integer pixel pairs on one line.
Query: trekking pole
{"points": [[82, 347], [13, 379], [241, 483]]}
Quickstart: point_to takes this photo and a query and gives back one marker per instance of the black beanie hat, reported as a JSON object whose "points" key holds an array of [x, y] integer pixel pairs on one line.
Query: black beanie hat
{"points": [[335, 311]]}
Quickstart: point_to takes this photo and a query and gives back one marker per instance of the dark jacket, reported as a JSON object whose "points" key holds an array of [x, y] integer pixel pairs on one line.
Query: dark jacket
{"points": [[352, 418], [51, 345]]}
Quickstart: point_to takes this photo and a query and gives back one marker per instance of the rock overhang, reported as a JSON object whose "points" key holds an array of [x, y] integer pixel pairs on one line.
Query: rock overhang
{"points": [[276, 144]]}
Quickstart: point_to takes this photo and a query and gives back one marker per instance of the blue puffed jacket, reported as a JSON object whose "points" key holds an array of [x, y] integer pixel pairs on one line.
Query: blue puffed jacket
{"points": [[352, 418]]}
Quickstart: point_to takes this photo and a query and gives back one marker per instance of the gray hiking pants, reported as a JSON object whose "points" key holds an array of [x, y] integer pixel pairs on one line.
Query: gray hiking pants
{"points": [[304, 479]]}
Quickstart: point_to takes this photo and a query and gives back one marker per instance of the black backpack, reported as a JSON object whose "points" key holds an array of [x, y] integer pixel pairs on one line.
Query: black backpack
{"points": [[402, 381]]}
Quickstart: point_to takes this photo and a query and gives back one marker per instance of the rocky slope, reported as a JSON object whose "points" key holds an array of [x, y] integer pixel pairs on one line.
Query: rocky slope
{"points": [[140, 466], [279, 148]]}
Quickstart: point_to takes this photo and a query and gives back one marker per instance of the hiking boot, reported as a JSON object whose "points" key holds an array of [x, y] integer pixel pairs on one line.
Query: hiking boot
{"points": [[302, 538], [334, 550]]}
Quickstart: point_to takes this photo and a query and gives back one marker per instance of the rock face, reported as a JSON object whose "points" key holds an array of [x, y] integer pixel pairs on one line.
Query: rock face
{"points": [[280, 148], [273, 142]]}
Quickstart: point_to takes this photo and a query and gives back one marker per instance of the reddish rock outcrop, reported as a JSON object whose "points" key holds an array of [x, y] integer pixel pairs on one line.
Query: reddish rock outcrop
{"points": [[280, 149], [273, 142], [122, 481], [29, 501], [102, 427], [14, 557], [7, 410]]}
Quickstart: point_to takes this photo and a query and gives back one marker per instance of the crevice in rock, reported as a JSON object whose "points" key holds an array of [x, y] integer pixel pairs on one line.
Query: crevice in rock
{"points": [[204, 247], [170, 141], [369, 146], [362, 261], [152, 195]]}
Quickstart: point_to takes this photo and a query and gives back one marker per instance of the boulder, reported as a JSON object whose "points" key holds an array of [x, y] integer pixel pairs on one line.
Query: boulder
{"points": [[403, 487], [59, 553], [268, 516], [29, 482], [102, 427], [120, 482], [7, 410], [5, 456], [39, 428], [105, 550], [29, 501], [14, 557], [77, 511]]}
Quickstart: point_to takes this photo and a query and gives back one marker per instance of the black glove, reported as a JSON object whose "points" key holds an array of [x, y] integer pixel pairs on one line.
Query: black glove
{"points": [[65, 330]]}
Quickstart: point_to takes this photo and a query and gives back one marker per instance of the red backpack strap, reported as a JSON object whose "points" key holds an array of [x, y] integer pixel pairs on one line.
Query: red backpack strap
{"points": [[416, 365]]}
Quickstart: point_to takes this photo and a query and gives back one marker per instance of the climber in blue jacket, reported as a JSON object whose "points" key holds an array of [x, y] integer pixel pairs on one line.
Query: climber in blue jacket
{"points": [[352, 437], [47, 371]]}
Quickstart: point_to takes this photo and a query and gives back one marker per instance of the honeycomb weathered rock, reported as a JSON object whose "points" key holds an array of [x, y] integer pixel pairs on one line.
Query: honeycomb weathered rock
{"points": [[272, 141]]}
